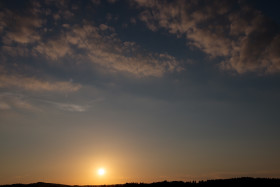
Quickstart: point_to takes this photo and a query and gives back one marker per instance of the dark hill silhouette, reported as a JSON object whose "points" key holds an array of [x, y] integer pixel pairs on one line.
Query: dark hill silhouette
{"points": [[234, 182]]}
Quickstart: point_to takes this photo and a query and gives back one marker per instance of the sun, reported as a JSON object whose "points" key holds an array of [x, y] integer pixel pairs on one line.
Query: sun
{"points": [[101, 171]]}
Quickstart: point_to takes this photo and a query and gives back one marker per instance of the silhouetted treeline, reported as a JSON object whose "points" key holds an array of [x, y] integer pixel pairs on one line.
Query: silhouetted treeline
{"points": [[235, 182]]}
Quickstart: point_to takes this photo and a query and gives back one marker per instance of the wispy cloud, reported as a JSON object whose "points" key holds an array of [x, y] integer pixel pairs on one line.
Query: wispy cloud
{"points": [[9, 101], [13, 79], [71, 107], [246, 39]]}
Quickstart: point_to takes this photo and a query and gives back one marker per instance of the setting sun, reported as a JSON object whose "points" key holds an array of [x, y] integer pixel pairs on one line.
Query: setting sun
{"points": [[101, 171]]}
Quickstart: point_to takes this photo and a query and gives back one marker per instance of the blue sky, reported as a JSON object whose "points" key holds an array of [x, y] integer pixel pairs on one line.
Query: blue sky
{"points": [[150, 90]]}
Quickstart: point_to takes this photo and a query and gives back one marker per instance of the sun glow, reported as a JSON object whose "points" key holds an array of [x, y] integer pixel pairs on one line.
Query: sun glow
{"points": [[101, 171]]}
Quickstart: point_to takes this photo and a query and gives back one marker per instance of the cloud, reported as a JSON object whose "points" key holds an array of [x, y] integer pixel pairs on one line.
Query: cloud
{"points": [[19, 28], [245, 38], [13, 79], [101, 46], [54, 49], [46, 33], [10, 101], [71, 107], [255, 48]]}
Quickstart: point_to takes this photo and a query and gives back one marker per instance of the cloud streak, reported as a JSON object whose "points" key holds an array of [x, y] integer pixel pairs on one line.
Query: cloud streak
{"points": [[15, 80], [10, 101], [71, 107], [246, 39]]}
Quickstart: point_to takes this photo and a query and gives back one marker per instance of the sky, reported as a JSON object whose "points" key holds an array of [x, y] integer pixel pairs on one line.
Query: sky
{"points": [[147, 90]]}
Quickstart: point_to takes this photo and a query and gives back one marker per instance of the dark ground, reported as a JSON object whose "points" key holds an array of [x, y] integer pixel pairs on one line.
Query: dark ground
{"points": [[235, 182]]}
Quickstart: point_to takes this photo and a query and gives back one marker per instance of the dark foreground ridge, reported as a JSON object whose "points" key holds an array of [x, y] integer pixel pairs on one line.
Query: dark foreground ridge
{"points": [[236, 182]]}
